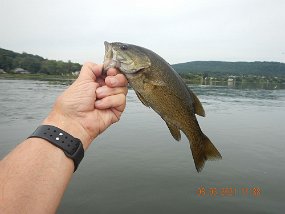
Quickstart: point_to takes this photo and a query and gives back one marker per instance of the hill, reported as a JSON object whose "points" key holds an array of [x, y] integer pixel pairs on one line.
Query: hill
{"points": [[10, 60], [219, 68]]}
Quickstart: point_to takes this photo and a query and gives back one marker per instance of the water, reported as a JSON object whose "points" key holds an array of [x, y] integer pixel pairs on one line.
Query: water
{"points": [[137, 167]]}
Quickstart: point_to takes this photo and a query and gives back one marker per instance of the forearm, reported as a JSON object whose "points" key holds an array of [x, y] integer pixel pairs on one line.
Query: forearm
{"points": [[33, 178]]}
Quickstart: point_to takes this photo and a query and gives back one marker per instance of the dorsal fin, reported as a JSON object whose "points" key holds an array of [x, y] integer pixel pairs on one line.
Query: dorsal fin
{"points": [[197, 104]]}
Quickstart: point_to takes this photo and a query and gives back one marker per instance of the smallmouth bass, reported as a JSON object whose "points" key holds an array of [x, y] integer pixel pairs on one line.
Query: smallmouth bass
{"points": [[159, 87]]}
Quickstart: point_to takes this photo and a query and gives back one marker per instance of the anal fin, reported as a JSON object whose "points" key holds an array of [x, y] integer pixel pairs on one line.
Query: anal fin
{"points": [[197, 104], [174, 131]]}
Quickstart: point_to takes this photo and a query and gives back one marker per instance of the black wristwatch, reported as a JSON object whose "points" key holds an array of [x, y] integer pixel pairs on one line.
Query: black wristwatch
{"points": [[71, 146]]}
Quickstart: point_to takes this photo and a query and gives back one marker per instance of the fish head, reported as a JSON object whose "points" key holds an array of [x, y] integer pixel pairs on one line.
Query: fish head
{"points": [[129, 59]]}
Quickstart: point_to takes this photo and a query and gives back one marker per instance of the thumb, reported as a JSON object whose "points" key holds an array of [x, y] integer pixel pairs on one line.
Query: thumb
{"points": [[90, 71]]}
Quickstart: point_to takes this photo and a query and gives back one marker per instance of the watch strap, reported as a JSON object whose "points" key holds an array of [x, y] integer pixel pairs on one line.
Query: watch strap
{"points": [[71, 146]]}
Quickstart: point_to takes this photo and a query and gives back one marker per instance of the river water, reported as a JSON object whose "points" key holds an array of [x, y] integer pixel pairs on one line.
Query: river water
{"points": [[137, 167]]}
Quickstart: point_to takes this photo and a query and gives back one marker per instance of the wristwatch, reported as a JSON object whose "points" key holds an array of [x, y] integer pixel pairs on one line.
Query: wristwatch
{"points": [[71, 146]]}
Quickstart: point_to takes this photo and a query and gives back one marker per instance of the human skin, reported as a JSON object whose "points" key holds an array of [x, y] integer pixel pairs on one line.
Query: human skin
{"points": [[34, 176]]}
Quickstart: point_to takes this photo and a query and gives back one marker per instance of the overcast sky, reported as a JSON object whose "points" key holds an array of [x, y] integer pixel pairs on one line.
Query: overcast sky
{"points": [[178, 30]]}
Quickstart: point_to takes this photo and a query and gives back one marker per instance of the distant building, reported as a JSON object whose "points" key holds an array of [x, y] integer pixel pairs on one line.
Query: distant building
{"points": [[230, 79], [75, 73], [2, 71], [21, 71]]}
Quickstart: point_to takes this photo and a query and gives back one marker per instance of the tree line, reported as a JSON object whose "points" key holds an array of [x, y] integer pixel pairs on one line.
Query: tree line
{"points": [[10, 60], [219, 68]]}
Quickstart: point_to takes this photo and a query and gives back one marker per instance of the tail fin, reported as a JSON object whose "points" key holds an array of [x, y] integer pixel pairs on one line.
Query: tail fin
{"points": [[202, 151]]}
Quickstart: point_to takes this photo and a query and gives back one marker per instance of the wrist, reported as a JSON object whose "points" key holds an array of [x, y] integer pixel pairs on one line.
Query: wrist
{"points": [[68, 125]]}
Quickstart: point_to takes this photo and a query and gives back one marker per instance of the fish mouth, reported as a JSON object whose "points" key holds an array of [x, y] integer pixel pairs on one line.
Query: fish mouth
{"points": [[110, 58], [114, 59]]}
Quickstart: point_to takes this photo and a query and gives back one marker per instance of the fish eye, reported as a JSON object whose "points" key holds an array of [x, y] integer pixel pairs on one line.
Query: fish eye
{"points": [[124, 47]]}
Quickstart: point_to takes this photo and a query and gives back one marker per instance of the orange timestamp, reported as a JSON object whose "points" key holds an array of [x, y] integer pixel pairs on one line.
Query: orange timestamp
{"points": [[228, 191]]}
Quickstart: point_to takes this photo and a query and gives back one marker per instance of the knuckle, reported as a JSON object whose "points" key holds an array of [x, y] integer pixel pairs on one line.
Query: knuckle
{"points": [[88, 65]]}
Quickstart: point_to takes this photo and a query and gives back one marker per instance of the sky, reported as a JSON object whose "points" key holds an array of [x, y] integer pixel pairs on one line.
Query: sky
{"points": [[177, 30]]}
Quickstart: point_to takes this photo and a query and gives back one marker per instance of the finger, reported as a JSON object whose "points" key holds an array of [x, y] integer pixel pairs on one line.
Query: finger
{"points": [[105, 91], [112, 72], [116, 81], [90, 71], [117, 101]]}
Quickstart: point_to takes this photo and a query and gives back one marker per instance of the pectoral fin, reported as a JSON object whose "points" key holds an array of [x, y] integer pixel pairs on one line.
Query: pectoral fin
{"points": [[174, 131], [197, 104], [142, 99]]}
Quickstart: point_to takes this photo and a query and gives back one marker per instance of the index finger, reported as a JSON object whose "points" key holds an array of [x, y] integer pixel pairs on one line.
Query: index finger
{"points": [[112, 72], [118, 80]]}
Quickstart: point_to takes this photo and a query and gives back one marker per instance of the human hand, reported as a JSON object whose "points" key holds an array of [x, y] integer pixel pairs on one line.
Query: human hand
{"points": [[91, 104]]}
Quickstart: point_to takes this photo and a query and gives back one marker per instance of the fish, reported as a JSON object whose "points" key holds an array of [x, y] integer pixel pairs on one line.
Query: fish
{"points": [[160, 87]]}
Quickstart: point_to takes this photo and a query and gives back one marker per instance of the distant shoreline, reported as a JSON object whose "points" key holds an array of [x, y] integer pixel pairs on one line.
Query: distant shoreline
{"points": [[40, 77], [189, 80]]}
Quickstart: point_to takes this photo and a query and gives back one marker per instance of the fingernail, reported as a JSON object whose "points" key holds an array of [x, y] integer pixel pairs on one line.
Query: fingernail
{"points": [[99, 90], [113, 81]]}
